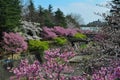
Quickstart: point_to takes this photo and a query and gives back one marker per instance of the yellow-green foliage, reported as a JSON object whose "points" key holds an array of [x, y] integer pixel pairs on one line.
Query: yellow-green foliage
{"points": [[60, 40], [80, 35], [36, 45]]}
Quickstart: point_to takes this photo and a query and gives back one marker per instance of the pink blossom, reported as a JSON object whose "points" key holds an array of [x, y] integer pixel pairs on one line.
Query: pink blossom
{"points": [[13, 42]]}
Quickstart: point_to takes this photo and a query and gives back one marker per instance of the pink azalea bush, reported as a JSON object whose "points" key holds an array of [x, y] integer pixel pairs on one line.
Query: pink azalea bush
{"points": [[54, 68], [48, 33], [13, 42], [60, 30], [51, 33], [26, 70]]}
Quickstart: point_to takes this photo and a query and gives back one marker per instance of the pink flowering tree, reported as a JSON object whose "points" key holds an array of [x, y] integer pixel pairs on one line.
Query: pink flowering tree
{"points": [[54, 67], [13, 43]]}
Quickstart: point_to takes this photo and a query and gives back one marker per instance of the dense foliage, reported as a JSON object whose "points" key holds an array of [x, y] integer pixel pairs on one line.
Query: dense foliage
{"points": [[10, 15], [80, 36], [46, 17], [60, 41], [37, 45], [60, 19], [49, 17]]}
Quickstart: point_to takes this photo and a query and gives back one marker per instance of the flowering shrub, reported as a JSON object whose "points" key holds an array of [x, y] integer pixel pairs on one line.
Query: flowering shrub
{"points": [[53, 68], [107, 73], [13, 42], [71, 31], [56, 66], [51, 33], [48, 33], [26, 71], [65, 32], [60, 31]]}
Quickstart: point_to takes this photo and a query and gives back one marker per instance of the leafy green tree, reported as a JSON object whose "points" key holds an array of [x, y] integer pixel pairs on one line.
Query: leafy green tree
{"points": [[10, 15], [60, 18]]}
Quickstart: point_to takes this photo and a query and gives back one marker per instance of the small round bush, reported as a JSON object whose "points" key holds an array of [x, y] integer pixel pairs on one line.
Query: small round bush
{"points": [[60, 40], [37, 45], [80, 35]]}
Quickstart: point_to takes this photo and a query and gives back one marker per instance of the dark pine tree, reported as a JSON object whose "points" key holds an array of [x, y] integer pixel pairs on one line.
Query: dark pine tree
{"points": [[41, 17], [10, 15], [60, 18], [31, 12], [49, 20], [50, 8], [46, 17]]}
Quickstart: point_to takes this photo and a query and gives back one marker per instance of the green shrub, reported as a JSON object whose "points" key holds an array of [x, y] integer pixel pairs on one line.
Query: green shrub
{"points": [[83, 46], [60, 40], [37, 45], [80, 35], [37, 48]]}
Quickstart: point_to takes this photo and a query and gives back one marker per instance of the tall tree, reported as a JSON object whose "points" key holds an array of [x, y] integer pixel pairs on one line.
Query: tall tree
{"points": [[31, 12], [113, 30], [60, 18], [50, 8], [114, 17], [10, 15], [2, 15], [41, 17], [49, 21], [46, 17]]}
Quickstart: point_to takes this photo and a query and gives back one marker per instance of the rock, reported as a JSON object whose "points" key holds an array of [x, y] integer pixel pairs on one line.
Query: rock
{"points": [[78, 59]]}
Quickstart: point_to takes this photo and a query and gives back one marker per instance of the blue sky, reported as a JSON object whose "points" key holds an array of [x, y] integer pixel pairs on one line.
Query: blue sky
{"points": [[85, 8]]}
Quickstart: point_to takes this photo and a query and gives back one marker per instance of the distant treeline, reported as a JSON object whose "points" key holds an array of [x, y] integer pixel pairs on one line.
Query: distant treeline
{"points": [[48, 17]]}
